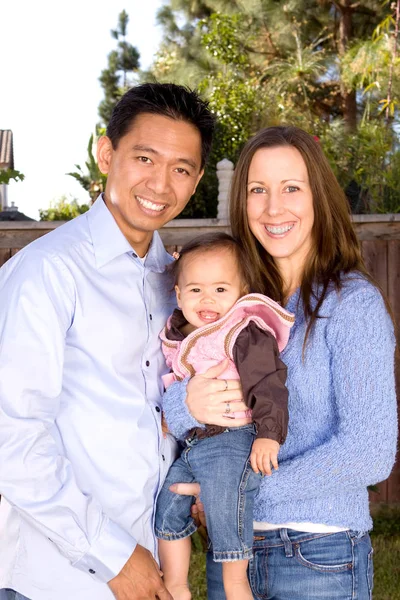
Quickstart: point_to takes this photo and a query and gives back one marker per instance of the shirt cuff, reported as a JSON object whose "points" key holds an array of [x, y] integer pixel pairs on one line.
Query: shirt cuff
{"points": [[264, 432], [108, 553]]}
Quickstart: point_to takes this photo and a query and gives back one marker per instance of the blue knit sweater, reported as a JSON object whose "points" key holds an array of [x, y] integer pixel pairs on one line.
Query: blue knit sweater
{"points": [[342, 412]]}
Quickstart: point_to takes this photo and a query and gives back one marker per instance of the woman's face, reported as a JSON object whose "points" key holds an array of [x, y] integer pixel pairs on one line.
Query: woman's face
{"points": [[280, 205]]}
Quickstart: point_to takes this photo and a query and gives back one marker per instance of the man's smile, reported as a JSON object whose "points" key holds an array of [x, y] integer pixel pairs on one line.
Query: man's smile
{"points": [[149, 205]]}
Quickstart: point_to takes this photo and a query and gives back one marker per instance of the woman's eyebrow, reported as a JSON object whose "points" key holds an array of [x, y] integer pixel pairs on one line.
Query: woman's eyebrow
{"points": [[283, 181], [293, 179]]}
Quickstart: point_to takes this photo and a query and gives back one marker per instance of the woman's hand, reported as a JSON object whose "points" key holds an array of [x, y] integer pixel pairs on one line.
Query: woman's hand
{"points": [[212, 400]]}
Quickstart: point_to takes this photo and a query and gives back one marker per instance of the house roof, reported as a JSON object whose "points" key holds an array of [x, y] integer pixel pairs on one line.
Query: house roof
{"points": [[11, 213], [6, 149]]}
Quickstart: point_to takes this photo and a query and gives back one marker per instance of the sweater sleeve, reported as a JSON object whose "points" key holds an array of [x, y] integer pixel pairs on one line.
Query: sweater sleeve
{"points": [[361, 451], [176, 412], [263, 376]]}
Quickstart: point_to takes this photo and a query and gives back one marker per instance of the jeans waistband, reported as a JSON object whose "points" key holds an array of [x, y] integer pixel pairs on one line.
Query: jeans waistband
{"points": [[288, 537], [195, 436]]}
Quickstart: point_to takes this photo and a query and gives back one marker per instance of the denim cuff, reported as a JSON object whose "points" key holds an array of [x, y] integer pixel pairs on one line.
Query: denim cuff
{"points": [[179, 419]]}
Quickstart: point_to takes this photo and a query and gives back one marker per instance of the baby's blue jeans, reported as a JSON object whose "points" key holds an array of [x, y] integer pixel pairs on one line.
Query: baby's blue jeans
{"points": [[220, 464]]}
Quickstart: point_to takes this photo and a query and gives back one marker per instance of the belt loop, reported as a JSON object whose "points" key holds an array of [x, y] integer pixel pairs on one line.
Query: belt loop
{"points": [[286, 542]]}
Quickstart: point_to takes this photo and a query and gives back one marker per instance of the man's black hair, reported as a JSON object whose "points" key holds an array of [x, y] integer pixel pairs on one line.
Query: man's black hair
{"points": [[165, 99]]}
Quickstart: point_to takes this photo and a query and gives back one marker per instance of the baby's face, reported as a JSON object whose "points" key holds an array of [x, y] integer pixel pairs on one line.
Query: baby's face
{"points": [[209, 285]]}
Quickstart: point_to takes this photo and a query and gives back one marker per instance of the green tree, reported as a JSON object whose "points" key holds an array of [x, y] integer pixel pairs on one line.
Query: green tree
{"points": [[181, 57], [119, 75], [116, 79], [329, 67], [63, 210], [93, 180], [372, 68], [268, 34]]}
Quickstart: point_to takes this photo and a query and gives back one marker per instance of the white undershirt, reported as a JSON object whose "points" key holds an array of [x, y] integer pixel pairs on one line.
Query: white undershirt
{"points": [[306, 527]]}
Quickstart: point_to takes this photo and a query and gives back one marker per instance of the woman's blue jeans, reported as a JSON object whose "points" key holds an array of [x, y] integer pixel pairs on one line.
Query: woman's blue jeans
{"points": [[292, 565]]}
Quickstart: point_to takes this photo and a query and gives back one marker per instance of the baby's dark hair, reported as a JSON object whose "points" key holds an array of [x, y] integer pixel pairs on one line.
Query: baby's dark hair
{"points": [[215, 241]]}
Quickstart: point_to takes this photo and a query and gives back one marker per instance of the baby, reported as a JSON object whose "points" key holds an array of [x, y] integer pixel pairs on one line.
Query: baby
{"points": [[218, 319]]}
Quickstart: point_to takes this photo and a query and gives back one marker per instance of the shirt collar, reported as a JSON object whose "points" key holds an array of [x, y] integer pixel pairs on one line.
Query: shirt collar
{"points": [[109, 241], [157, 256], [174, 333]]}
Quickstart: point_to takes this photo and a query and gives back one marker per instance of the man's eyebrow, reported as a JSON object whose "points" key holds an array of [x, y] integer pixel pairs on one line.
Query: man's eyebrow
{"points": [[149, 150], [188, 162], [145, 148]]}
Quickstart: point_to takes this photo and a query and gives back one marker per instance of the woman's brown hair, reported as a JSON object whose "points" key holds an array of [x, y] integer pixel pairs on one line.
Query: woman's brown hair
{"points": [[335, 247]]}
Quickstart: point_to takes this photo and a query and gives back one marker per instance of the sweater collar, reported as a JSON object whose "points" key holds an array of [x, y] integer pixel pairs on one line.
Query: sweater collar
{"points": [[294, 301]]}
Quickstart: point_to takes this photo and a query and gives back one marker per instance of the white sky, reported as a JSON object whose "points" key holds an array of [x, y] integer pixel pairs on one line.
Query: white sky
{"points": [[51, 55]]}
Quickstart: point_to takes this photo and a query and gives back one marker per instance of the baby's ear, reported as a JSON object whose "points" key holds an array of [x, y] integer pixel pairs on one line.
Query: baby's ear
{"points": [[178, 296], [246, 290]]}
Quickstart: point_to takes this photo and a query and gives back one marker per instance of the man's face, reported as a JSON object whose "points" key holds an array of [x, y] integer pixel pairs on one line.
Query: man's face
{"points": [[152, 174]]}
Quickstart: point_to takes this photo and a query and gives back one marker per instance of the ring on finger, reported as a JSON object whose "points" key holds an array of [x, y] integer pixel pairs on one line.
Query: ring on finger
{"points": [[226, 385], [227, 408]]}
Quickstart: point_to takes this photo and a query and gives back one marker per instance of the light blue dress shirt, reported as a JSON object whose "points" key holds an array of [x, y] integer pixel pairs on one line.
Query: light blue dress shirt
{"points": [[82, 455]]}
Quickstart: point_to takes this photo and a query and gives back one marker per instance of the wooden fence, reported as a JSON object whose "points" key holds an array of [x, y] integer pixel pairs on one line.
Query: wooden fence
{"points": [[380, 239]]}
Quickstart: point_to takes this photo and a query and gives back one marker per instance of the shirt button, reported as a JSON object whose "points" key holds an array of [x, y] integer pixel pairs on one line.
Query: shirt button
{"points": [[147, 363], [151, 317], [92, 572], [163, 457], [158, 409]]}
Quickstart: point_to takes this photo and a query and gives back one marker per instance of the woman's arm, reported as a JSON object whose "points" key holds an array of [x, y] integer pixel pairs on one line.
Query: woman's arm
{"points": [[202, 399], [362, 450]]}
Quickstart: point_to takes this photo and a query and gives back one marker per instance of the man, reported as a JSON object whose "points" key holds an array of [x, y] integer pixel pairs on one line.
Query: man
{"points": [[82, 456]]}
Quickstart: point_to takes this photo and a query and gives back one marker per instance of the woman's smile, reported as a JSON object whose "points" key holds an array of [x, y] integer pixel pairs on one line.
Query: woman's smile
{"points": [[279, 230]]}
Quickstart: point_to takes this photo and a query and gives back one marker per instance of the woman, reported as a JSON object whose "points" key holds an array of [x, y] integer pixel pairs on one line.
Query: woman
{"points": [[312, 516]]}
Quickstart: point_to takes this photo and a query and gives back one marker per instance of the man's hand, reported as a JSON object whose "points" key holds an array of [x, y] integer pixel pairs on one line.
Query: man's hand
{"points": [[197, 510], [139, 578], [164, 426], [208, 397], [192, 489], [264, 453]]}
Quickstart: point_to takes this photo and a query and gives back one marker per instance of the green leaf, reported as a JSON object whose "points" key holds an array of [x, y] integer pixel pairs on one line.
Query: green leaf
{"points": [[6, 175]]}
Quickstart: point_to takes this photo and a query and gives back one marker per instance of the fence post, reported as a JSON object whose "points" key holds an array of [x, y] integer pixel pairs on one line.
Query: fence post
{"points": [[224, 174]]}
